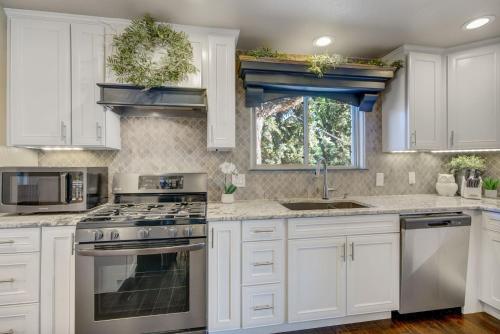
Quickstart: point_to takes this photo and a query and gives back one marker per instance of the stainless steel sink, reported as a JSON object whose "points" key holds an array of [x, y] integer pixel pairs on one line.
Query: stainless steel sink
{"points": [[297, 206]]}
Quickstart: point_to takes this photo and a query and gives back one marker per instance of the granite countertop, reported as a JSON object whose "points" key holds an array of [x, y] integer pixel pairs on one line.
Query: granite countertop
{"points": [[38, 220], [395, 204], [268, 209]]}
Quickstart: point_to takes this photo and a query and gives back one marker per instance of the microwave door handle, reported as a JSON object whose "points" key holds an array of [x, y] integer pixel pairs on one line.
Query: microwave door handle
{"points": [[63, 187], [141, 251]]}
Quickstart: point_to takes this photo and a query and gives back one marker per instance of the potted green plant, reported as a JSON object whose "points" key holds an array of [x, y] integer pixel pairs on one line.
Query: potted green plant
{"points": [[228, 169], [464, 165], [490, 186]]}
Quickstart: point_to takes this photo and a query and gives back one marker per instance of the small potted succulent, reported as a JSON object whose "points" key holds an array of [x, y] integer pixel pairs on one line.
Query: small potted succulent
{"points": [[490, 186], [228, 169], [464, 165]]}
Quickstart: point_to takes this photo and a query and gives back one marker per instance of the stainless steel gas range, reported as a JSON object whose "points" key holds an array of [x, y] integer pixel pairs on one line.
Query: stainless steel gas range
{"points": [[141, 261]]}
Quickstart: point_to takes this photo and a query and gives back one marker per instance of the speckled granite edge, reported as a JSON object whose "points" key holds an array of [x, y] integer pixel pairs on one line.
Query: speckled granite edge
{"points": [[26, 221]]}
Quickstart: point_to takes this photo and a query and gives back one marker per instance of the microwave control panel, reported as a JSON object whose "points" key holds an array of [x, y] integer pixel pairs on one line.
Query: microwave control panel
{"points": [[77, 187]]}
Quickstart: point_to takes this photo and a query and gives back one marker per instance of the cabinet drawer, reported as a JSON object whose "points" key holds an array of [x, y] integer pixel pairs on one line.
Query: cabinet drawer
{"points": [[256, 230], [19, 240], [22, 319], [491, 221], [345, 225], [262, 305], [19, 278], [263, 262]]}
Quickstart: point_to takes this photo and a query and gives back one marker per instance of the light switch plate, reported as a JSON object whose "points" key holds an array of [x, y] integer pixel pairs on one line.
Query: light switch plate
{"points": [[238, 180], [411, 178], [380, 180]]}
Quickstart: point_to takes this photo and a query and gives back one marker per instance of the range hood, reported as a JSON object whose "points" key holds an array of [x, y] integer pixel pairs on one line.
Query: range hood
{"points": [[130, 100]]}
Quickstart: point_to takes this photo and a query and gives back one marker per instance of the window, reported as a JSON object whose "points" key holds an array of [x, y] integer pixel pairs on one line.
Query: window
{"points": [[296, 132]]}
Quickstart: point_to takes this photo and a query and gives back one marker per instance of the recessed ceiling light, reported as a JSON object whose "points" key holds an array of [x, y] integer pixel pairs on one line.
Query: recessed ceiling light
{"points": [[478, 22], [323, 41]]}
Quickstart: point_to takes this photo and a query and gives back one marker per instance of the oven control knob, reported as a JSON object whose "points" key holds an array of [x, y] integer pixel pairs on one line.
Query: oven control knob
{"points": [[114, 235], [143, 233], [188, 231], [97, 234], [172, 231]]}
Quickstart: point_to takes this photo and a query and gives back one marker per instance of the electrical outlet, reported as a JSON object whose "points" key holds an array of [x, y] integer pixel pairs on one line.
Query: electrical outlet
{"points": [[411, 178], [380, 179], [238, 180]]}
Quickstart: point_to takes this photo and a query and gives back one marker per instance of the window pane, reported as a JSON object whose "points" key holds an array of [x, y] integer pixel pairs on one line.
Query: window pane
{"points": [[279, 129], [330, 131]]}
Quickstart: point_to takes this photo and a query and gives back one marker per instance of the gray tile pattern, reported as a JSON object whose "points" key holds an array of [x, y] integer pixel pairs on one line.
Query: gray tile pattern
{"points": [[154, 145]]}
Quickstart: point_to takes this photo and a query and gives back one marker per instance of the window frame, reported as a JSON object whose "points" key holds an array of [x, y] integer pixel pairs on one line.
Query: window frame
{"points": [[358, 158]]}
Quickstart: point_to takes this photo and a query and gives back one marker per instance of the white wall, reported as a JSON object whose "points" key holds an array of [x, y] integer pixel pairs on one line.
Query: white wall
{"points": [[9, 156]]}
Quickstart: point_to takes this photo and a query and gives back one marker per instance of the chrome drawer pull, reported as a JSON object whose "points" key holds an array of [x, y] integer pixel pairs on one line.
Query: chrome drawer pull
{"points": [[10, 331], [263, 307], [263, 231], [263, 263], [10, 280], [3, 242]]}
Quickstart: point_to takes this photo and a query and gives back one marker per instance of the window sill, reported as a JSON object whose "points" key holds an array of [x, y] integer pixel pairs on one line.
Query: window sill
{"points": [[301, 169]]}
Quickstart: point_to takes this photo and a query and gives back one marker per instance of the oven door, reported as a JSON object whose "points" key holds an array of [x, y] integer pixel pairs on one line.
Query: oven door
{"points": [[141, 287]]}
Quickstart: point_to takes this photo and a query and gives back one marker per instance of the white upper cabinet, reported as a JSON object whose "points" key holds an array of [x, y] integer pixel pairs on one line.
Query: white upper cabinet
{"points": [[221, 93], [89, 121], [39, 98], [413, 112], [473, 98]]}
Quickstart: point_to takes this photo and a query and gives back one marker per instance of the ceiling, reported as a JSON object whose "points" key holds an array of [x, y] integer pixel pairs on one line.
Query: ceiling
{"points": [[361, 28]]}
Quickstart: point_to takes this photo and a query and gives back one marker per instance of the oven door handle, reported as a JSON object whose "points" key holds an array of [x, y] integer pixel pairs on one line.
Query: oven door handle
{"points": [[141, 251]]}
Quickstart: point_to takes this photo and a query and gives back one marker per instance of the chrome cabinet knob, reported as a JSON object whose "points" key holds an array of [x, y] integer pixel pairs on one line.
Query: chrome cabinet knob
{"points": [[143, 233], [114, 235], [97, 234]]}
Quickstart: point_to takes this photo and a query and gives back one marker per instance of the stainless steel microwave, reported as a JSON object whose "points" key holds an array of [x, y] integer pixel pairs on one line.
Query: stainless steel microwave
{"points": [[52, 189]]}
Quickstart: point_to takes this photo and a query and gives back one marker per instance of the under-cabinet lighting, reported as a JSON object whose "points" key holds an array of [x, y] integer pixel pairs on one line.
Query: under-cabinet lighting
{"points": [[467, 151], [478, 22], [406, 151], [55, 148], [323, 41]]}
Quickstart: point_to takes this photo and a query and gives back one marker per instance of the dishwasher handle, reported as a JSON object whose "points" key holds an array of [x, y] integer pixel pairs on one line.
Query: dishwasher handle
{"points": [[413, 222]]}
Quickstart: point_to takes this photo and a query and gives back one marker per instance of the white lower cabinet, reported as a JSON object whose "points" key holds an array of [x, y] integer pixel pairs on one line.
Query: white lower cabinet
{"points": [[316, 279], [262, 305], [372, 273], [490, 260], [57, 299], [19, 319], [224, 275], [19, 278], [262, 262]]}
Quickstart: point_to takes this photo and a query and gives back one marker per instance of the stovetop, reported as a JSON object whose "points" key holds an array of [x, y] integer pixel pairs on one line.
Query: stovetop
{"points": [[146, 212]]}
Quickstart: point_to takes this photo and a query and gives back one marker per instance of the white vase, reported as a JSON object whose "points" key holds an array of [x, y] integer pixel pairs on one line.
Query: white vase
{"points": [[491, 193], [227, 198], [446, 189]]}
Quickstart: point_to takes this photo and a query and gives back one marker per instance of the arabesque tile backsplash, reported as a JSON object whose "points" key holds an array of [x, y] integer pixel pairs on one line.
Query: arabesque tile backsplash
{"points": [[158, 145]]}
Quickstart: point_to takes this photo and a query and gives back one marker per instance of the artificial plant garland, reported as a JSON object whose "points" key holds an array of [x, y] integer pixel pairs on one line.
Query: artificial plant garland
{"points": [[151, 54]]}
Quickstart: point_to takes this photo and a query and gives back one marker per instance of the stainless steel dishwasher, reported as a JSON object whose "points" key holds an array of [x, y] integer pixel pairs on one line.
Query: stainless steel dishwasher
{"points": [[434, 252]]}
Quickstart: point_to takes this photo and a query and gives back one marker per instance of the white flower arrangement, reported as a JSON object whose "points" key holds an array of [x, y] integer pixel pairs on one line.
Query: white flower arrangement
{"points": [[228, 168]]}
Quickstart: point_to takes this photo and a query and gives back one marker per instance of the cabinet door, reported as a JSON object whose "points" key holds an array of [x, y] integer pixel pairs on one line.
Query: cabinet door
{"points": [[19, 278], [262, 262], [224, 276], [262, 305], [372, 273], [221, 92], [473, 98], [57, 301], [19, 319], [87, 69], [316, 279], [490, 268], [39, 109], [427, 117]]}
